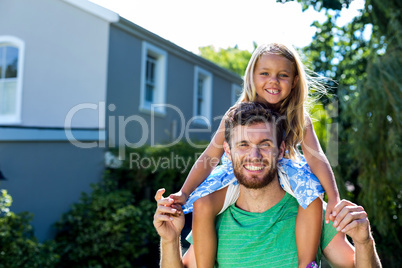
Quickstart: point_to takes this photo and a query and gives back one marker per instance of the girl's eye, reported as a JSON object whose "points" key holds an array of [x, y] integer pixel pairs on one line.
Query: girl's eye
{"points": [[264, 73], [283, 75]]}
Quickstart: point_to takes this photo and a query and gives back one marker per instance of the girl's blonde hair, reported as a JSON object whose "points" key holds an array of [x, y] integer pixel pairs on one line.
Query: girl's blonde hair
{"points": [[293, 107]]}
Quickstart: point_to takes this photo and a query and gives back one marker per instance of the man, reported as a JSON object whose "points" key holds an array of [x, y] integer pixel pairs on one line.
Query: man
{"points": [[258, 230]]}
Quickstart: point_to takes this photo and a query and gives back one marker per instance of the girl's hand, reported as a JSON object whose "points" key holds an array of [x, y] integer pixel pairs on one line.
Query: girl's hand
{"points": [[330, 213], [179, 197]]}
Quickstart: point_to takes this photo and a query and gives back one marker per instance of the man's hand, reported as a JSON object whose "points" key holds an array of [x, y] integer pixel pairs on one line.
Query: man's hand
{"points": [[352, 220], [168, 218]]}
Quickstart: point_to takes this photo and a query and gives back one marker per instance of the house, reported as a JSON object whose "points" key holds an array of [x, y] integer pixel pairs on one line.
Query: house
{"points": [[77, 79]]}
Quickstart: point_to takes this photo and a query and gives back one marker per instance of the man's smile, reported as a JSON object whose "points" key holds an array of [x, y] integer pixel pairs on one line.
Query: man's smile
{"points": [[254, 167]]}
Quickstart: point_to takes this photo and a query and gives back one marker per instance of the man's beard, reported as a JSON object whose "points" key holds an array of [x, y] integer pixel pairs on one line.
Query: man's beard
{"points": [[253, 182]]}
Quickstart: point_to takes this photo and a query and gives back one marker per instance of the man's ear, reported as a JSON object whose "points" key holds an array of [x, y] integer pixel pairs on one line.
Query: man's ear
{"points": [[281, 150], [226, 147]]}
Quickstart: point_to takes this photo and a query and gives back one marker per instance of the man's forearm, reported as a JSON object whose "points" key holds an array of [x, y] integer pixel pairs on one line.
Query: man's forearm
{"points": [[366, 255], [171, 254]]}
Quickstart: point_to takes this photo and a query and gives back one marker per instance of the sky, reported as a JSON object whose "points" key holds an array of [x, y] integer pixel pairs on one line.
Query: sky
{"points": [[223, 23]]}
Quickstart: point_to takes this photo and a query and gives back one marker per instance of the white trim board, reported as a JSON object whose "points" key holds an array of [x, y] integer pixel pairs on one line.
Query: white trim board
{"points": [[95, 10], [39, 134]]}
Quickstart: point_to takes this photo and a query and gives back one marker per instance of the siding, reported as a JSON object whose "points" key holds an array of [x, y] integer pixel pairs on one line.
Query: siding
{"points": [[45, 178], [124, 83], [65, 60]]}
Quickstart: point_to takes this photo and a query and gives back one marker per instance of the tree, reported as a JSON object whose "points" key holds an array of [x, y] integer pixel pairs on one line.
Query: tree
{"points": [[368, 89], [232, 58], [363, 63]]}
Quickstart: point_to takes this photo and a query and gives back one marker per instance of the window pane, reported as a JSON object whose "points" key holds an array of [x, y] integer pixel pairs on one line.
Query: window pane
{"points": [[148, 73], [8, 96], [150, 70], [149, 93], [200, 87], [2, 49], [200, 95], [11, 62], [199, 106]]}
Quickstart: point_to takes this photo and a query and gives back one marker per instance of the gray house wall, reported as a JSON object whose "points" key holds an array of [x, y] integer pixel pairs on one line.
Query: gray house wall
{"points": [[65, 64], [124, 82], [45, 178], [65, 60]]}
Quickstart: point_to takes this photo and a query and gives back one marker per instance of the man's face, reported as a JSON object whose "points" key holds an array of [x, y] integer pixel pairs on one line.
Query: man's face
{"points": [[254, 154]]}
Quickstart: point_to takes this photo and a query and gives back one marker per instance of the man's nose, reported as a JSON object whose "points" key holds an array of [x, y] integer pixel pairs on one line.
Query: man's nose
{"points": [[255, 152]]}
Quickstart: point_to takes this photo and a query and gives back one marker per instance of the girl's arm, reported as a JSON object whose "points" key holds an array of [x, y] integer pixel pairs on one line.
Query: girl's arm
{"points": [[320, 166], [205, 163]]}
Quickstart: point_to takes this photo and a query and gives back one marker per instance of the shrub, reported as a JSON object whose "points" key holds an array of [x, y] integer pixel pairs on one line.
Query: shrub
{"points": [[105, 229], [147, 169], [18, 246], [112, 226]]}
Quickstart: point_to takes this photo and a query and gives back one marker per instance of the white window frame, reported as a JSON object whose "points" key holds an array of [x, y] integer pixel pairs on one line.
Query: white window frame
{"points": [[236, 89], [16, 42], [205, 117], [158, 105]]}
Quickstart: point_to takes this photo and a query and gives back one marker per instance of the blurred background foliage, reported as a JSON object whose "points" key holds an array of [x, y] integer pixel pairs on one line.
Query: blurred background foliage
{"points": [[18, 245]]}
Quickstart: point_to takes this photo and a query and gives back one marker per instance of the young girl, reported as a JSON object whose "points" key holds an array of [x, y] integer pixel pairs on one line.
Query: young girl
{"points": [[275, 75]]}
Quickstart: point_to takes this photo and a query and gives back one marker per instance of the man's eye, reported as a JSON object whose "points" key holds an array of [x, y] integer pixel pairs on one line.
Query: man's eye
{"points": [[264, 145], [243, 145]]}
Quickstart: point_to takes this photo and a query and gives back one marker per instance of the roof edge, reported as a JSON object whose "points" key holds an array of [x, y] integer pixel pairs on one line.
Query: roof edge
{"points": [[95, 10]]}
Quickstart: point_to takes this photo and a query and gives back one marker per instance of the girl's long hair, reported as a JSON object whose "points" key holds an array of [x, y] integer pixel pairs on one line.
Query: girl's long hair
{"points": [[294, 106]]}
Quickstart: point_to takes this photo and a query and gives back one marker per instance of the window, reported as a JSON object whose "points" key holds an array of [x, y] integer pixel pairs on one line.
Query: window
{"points": [[202, 96], [236, 93], [11, 59], [150, 79], [153, 79]]}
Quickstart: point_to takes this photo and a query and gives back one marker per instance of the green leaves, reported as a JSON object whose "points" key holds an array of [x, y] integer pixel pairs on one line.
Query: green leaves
{"points": [[364, 58], [321, 4], [18, 246], [232, 59]]}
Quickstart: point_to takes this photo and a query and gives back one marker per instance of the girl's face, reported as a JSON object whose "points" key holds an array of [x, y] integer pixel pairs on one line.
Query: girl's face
{"points": [[274, 78]]}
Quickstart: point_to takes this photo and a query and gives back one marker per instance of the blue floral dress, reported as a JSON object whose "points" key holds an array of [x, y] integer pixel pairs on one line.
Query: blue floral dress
{"points": [[305, 185]]}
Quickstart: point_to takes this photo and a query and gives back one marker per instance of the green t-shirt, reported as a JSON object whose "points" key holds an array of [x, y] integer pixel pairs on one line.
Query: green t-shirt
{"points": [[248, 239]]}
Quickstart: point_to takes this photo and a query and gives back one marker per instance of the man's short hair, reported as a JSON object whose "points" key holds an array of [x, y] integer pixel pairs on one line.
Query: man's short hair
{"points": [[250, 113]]}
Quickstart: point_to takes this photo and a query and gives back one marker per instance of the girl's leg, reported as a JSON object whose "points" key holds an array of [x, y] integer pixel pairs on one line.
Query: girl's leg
{"points": [[204, 233], [308, 232]]}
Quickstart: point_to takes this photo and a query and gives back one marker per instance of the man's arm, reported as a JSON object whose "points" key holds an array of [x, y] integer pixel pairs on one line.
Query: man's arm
{"points": [[168, 222], [189, 258], [352, 220]]}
